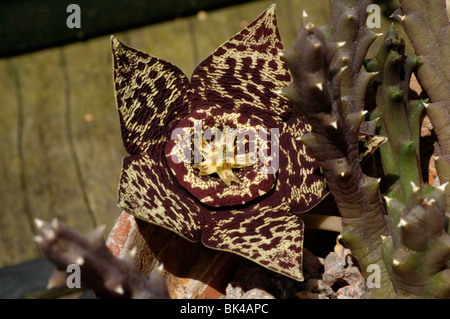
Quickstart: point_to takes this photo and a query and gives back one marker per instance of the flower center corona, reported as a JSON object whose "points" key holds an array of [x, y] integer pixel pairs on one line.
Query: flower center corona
{"points": [[220, 158], [197, 151]]}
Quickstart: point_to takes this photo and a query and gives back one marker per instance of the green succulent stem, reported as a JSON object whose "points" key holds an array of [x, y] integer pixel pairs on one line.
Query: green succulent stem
{"points": [[416, 251], [427, 25], [409, 243], [415, 114], [399, 119], [409, 169]]}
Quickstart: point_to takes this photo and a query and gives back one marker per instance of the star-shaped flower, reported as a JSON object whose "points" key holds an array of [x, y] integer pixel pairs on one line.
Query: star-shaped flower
{"points": [[236, 87]]}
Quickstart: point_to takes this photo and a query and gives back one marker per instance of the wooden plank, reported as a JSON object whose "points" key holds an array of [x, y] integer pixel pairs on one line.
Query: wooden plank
{"points": [[94, 127], [48, 154], [15, 228], [171, 41], [212, 29]]}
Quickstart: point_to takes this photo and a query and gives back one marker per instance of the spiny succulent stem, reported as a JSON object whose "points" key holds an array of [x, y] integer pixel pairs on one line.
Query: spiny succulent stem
{"points": [[38, 222]]}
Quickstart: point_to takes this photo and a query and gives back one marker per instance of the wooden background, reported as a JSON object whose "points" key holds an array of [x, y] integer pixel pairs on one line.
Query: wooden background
{"points": [[60, 147]]}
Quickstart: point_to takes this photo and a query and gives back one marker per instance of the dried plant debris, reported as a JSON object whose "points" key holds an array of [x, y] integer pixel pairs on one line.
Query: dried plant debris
{"points": [[252, 281], [335, 277], [341, 278]]}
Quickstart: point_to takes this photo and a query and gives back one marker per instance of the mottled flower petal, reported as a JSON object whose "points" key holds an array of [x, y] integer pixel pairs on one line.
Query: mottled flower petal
{"points": [[148, 191], [301, 181], [246, 73], [151, 97], [266, 234]]}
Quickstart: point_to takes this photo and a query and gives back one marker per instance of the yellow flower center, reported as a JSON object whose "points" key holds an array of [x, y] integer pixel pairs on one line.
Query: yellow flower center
{"points": [[220, 159]]}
